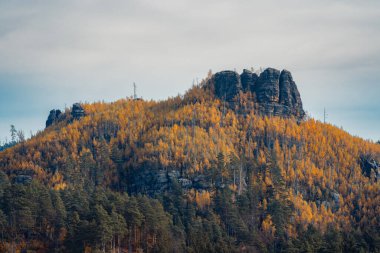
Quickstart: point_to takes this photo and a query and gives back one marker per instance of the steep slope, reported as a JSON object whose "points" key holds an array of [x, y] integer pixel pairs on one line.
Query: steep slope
{"points": [[201, 176]]}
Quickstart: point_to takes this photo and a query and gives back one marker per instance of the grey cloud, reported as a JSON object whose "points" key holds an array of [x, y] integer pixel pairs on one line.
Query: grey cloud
{"points": [[93, 50]]}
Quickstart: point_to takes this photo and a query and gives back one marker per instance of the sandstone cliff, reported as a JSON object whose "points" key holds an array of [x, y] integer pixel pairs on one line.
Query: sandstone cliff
{"points": [[274, 91], [56, 116]]}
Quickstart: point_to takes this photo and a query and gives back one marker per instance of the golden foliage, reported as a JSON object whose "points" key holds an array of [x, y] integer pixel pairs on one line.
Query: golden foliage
{"points": [[317, 160]]}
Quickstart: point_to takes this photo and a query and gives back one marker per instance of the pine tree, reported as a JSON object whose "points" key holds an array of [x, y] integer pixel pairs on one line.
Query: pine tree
{"points": [[60, 217], [134, 219], [46, 212], [3, 224], [13, 133], [88, 168], [103, 225], [119, 229]]}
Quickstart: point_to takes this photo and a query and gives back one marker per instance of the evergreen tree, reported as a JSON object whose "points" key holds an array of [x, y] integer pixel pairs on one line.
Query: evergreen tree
{"points": [[309, 241], [46, 211], [333, 241], [103, 226], [13, 133], [87, 168], [59, 221], [3, 224]]}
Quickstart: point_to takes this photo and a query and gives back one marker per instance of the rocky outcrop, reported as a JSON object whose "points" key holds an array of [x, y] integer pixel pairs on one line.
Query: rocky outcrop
{"points": [[226, 84], [53, 117], [153, 180], [275, 92], [289, 94], [23, 179], [249, 81], [77, 111], [268, 86], [56, 116], [370, 166]]}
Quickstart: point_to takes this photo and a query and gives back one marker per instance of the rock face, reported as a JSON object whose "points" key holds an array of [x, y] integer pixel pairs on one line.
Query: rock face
{"points": [[289, 94], [248, 80], [23, 179], [370, 166], [53, 117], [268, 86], [227, 84], [275, 92], [77, 111]]}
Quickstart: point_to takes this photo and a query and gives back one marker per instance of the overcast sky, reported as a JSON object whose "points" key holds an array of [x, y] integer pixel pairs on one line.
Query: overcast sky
{"points": [[55, 53]]}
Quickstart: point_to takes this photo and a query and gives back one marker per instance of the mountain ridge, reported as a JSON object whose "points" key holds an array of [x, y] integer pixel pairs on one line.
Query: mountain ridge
{"points": [[190, 174], [272, 93]]}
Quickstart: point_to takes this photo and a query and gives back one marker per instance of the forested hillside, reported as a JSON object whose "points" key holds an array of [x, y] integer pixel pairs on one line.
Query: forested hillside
{"points": [[193, 173]]}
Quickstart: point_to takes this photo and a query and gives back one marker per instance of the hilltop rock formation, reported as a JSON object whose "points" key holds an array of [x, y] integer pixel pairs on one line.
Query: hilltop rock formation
{"points": [[289, 94], [227, 84], [53, 117], [268, 86], [56, 115], [249, 80], [275, 92], [77, 111]]}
